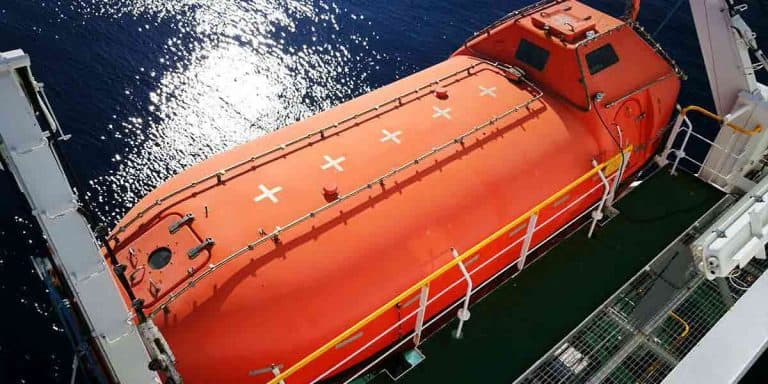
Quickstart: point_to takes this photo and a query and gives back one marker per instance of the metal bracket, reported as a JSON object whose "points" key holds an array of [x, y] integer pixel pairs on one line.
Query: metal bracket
{"points": [[187, 219], [463, 314], [162, 359], [738, 236], [275, 369], [207, 243], [268, 369], [597, 214]]}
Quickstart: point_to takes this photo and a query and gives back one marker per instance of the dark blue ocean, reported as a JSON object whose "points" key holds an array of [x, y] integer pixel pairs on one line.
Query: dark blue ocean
{"points": [[149, 87]]}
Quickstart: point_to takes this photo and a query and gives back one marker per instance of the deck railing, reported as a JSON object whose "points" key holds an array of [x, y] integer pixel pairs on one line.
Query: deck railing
{"points": [[606, 171], [682, 135], [616, 344]]}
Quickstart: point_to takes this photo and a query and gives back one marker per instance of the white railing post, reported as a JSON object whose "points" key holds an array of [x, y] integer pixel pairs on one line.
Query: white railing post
{"points": [[527, 240], [423, 296], [617, 180], [463, 313], [597, 214], [680, 153], [276, 371], [663, 159]]}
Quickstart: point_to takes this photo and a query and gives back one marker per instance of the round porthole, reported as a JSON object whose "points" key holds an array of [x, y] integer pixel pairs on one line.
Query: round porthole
{"points": [[159, 258]]}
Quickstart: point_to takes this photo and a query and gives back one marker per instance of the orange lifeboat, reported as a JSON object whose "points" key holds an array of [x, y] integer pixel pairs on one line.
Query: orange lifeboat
{"points": [[258, 256]]}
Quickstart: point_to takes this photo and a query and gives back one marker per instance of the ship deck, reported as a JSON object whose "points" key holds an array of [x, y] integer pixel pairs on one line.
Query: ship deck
{"points": [[512, 327]]}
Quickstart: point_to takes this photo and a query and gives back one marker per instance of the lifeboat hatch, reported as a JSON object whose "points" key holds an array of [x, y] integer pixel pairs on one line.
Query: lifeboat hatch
{"points": [[161, 259], [567, 22]]}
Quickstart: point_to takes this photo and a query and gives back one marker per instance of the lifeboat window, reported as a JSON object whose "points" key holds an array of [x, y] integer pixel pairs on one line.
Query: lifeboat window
{"points": [[601, 58], [531, 54], [159, 258]]}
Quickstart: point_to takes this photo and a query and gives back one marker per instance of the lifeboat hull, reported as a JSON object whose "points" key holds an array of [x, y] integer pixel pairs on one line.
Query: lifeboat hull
{"points": [[437, 161]]}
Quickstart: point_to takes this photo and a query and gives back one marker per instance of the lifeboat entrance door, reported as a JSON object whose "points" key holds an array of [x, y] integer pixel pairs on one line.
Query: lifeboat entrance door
{"points": [[157, 263]]}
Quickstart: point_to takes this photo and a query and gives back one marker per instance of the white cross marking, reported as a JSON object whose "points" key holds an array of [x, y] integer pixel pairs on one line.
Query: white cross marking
{"points": [[267, 193], [441, 113], [487, 91], [391, 136], [333, 163]]}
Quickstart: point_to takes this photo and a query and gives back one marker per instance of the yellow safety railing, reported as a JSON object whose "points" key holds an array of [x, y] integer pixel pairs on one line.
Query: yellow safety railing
{"points": [[609, 166], [695, 108]]}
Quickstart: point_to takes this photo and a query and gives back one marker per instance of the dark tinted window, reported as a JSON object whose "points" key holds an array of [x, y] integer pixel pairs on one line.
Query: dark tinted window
{"points": [[601, 58], [532, 54], [159, 258]]}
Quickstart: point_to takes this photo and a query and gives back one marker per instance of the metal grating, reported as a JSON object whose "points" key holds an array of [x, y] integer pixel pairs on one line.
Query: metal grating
{"points": [[686, 324], [625, 342], [642, 365], [583, 353]]}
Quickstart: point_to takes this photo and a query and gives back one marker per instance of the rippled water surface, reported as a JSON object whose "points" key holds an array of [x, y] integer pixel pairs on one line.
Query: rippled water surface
{"points": [[149, 87]]}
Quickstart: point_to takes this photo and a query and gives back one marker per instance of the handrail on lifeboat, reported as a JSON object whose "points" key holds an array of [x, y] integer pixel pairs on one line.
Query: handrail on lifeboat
{"points": [[537, 94], [218, 177], [612, 165]]}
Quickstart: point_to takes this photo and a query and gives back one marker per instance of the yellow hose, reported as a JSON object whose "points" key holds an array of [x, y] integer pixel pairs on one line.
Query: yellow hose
{"points": [[680, 337], [686, 327], [720, 119]]}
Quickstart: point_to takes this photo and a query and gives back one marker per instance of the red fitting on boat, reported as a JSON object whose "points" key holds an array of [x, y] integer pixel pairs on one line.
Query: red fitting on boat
{"points": [[330, 192], [441, 93]]}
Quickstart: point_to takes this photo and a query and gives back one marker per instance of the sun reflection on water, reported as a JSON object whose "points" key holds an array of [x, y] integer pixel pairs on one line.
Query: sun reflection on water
{"points": [[250, 68]]}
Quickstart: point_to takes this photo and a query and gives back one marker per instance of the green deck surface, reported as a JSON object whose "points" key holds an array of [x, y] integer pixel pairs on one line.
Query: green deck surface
{"points": [[515, 325]]}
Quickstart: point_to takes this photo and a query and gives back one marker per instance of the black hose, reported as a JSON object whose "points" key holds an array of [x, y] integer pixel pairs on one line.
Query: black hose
{"points": [[615, 140]]}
